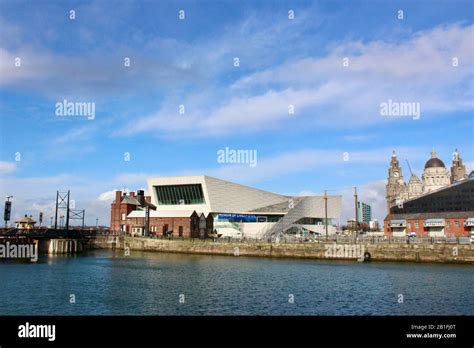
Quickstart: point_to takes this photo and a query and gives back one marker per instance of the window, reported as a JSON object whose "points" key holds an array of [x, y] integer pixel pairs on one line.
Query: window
{"points": [[180, 194], [165, 229], [416, 225], [456, 223], [124, 216], [180, 230]]}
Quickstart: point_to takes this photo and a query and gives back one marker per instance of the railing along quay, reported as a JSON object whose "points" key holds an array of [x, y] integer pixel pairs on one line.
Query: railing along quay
{"points": [[331, 239]]}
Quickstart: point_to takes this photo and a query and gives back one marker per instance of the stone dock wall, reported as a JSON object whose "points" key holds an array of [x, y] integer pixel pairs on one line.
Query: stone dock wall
{"points": [[436, 253]]}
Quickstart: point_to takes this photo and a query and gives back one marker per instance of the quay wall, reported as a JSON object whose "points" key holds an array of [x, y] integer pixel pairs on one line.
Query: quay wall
{"points": [[435, 253]]}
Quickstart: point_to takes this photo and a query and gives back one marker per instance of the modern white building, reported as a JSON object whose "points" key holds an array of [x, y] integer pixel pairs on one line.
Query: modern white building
{"points": [[242, 211]]}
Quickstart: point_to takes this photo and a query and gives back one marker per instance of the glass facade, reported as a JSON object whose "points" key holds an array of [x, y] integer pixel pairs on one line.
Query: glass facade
{"points": [[459, 197], [180, 194], [364, 212]]}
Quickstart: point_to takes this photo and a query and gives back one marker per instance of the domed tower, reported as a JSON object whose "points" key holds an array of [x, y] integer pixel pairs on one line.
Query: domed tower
{"points": [[458, 169], [435, 175], [415, 186]]}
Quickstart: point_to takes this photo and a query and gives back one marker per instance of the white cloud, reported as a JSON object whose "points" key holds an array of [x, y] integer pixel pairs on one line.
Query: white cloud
{"points": [[469, 167], [326, 93], [372, 193], [298, 161], [32, 195], [76, 134], [107, 196], [7, 167]]}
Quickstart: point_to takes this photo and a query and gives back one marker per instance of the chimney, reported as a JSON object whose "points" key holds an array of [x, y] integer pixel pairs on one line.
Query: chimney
{"points": [[148, 199], [132, 194], [141, 197], [118, 195]]}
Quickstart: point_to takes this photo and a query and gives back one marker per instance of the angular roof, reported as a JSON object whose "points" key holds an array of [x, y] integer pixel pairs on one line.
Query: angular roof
{"points": [[221, 196], [129, 200], [283, 207], [307, 207], [228, 197]]}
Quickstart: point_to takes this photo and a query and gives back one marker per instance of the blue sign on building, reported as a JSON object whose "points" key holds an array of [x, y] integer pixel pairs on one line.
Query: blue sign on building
{"points": [[237, 217]]}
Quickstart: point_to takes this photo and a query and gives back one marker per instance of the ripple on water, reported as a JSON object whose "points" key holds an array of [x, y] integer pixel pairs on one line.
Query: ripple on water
{"points": [[146, 283]]}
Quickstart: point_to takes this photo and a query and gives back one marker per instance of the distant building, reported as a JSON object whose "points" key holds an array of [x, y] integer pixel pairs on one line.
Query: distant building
{"points": [[25, 223], [364, 212], [230, 209], [128, 216], [374, 225], [435, 176], [448, 211], [122, 206]]}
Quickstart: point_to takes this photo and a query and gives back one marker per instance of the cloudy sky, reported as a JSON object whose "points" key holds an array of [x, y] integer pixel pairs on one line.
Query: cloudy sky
{"points": [[182, 98]]}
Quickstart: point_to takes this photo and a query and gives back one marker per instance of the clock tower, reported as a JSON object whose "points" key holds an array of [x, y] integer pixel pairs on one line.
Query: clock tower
{"points": [[396, 187]]}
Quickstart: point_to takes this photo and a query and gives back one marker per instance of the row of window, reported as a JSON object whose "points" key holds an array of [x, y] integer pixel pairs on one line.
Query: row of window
{"points": [[165, 228], [154, 229], [448, 224]]}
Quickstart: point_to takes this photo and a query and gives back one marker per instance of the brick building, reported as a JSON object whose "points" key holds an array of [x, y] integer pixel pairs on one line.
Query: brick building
{"points": [[449, 224], [446, 212], [123, 205], [128, 216], [181, 224], [203, 206]]}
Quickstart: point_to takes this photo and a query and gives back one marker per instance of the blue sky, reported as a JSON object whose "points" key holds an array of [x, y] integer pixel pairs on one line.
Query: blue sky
{"points": [[190, 62]]}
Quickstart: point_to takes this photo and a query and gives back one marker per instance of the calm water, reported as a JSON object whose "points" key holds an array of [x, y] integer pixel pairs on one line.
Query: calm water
{"points": [[105, 282]]}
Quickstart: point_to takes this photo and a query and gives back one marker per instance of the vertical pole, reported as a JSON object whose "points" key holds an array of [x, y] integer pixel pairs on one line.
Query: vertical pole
{"points": [[326, 212], [67, 212], [83, 216], [356, 212], [147, 220], [56, 215]]}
